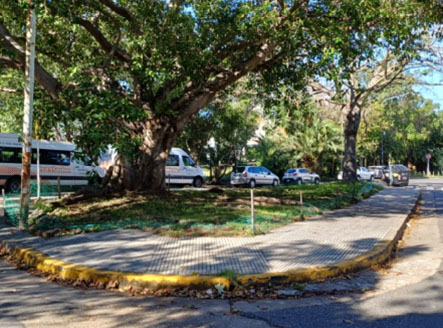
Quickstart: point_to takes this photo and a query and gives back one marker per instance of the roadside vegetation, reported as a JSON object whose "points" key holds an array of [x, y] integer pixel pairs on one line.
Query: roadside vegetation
{"points": [[182, 213]]}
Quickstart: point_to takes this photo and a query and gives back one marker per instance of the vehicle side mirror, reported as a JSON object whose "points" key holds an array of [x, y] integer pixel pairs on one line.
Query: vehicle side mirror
{"points": [[269, 173]]}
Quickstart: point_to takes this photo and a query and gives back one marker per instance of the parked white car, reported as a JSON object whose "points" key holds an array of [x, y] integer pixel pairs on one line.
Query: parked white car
{"points": [[253, 176], [300, 176], [181, 169], [362, 174]]}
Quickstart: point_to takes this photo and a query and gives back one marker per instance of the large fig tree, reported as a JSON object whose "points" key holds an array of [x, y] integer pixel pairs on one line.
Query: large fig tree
{"points": [[134, 72]]}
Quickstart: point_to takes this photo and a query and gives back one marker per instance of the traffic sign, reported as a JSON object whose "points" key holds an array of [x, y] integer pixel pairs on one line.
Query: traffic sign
{"points": [[428, 156]]}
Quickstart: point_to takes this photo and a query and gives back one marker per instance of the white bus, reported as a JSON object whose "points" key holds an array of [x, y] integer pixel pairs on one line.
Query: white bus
{"points": [[56, 160], [180, 169]]}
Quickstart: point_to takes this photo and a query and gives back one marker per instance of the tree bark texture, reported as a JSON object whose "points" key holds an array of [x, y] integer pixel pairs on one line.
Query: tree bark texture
{"points": [[147, 171], [351, 124]]}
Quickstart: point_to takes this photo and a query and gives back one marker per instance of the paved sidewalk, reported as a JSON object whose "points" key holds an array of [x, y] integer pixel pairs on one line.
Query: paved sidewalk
{"points": [[333, 237]]}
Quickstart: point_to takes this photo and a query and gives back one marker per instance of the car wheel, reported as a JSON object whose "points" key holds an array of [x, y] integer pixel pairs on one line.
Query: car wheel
{"points": [[358, 178], [317, 181], [198, 182], [13, 185], [252, 184], [298, 182], [275, 183], [371, 179]]}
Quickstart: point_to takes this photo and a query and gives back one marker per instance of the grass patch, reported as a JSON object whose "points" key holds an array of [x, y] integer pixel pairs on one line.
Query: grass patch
{"points": [[202, 213]]}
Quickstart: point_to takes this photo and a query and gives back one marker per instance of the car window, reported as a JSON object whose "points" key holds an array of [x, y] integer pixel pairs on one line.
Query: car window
{"points": [[239, 169], [290, 171], [7, 155], [265, 170], [172, 160], [55, 157], [363, 169], [187, 161], [254, 169], [303, 171]]}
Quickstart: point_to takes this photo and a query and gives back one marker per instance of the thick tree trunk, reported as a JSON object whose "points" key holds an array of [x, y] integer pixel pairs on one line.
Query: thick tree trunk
{"points": [[147, 171], [352, 122]]}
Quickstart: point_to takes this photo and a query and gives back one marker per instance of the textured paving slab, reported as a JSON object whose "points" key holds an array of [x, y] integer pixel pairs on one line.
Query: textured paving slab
{"points": [[335, 236]]}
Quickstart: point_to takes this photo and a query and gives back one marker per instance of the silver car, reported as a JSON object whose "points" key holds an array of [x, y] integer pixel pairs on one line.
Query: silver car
{"points": [[253, 176], [300, 175]]}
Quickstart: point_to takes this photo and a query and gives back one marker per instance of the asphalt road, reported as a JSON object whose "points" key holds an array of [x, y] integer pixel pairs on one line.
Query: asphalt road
{"points": [[410, 294]]}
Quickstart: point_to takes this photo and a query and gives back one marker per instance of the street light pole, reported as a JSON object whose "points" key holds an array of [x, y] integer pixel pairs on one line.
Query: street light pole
{"points": [[382, 147], [27, 117]]}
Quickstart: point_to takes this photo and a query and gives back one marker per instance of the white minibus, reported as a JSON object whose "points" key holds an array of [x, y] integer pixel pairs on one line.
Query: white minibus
{"points": [[56, 160], [181, 169]]}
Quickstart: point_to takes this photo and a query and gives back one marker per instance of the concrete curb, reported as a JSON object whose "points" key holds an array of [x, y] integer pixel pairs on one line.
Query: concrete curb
{"points": [[138, 281]]}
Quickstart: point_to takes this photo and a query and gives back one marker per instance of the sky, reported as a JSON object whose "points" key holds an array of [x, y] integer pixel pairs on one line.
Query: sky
{"points": [[435, 93]]}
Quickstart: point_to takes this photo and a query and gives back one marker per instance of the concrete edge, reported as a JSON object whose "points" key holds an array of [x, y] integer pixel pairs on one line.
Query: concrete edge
{"points": [[137, 281]]}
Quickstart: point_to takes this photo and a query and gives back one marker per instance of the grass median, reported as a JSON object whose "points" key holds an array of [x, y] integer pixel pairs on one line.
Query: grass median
{"points": [[213, 212]]}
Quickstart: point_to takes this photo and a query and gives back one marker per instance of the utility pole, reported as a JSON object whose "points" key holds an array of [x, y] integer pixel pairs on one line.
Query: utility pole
{"points": [[428, 157], [382, 147], [27, 117]]}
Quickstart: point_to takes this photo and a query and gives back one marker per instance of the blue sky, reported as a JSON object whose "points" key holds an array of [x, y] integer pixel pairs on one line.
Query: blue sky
{"points": [[435, 93]]}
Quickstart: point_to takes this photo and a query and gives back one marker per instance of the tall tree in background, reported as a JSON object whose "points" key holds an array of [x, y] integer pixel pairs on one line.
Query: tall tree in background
{"points": [[220, 133], [405, 124], [351, 89], [134, 72], [298, 134]]}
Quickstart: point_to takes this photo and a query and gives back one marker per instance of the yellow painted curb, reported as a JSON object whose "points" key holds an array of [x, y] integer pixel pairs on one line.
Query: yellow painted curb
{"points": [[376, 256], [40, 261], [43, 263]]}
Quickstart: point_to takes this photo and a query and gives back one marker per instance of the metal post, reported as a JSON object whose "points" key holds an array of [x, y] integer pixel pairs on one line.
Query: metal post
{"points": [[38, 170], [302, 216], [390, 175], [427, 166], [4, 201], [252, 212], [27, 117], [58, 188]]}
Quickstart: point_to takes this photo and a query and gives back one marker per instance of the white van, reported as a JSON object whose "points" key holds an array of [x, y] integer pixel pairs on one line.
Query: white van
{"points": [[56, 160], [181, 169]]}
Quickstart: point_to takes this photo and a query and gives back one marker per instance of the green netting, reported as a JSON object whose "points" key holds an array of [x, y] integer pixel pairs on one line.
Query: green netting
{"points": [[11, 201], [263, 222], [11, 204]]}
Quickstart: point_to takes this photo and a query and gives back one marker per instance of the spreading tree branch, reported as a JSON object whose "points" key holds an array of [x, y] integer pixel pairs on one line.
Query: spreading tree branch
{"points": [[44, 78], [102, 41], [118, 10], [9, 90]]}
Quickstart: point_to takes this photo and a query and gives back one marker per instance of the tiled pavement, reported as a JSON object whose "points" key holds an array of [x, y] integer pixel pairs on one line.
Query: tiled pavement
{"points": [[335, 236]]}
